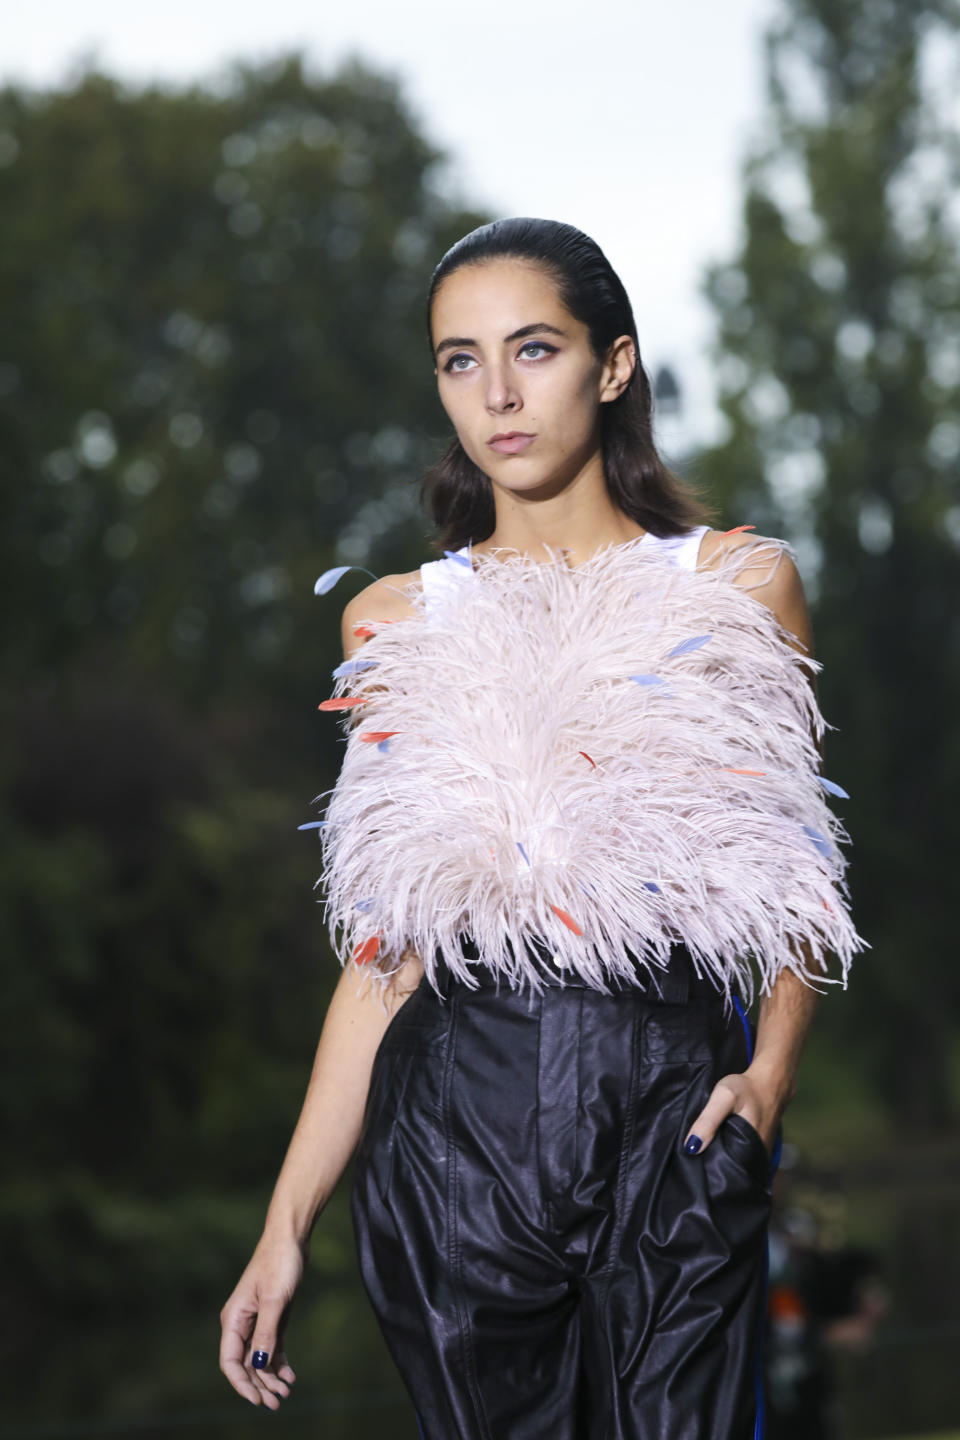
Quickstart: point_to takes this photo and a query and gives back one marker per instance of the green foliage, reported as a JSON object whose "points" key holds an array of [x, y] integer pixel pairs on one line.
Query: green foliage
{"points": [[214, 354], [838, 355], [214, 383]]}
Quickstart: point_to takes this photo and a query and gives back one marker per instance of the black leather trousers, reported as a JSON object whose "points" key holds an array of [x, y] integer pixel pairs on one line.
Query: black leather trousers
{"points": [[545, 1261]]}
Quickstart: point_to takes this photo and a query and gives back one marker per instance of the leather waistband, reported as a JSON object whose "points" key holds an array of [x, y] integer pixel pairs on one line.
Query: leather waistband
{"points": [[673, 985]]}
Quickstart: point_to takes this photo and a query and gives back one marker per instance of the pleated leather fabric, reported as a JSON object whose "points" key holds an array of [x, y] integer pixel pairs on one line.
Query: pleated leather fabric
{"points": [[545, 1261]]}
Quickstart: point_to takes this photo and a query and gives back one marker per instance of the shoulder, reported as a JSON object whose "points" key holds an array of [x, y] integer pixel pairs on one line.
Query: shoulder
{"points": [[383, 600], [775, 582]]}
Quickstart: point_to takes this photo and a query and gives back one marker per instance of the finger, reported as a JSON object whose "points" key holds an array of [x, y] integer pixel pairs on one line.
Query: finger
{"points": [[283, 1367], [270, 1388], [708, 1122], [265, 1352], [233, 1348], [279, 1364], [237, 1375]]}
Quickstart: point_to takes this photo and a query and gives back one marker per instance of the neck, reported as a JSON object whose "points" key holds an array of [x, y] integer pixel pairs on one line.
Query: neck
{"points": [[527, 528]]}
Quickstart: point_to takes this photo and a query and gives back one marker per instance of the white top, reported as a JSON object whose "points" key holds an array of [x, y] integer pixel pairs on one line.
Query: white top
{"points": [[435, 575]]}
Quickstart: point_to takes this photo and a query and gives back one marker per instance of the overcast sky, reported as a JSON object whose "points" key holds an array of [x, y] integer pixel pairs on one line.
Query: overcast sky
{"points": [[627, 119]]}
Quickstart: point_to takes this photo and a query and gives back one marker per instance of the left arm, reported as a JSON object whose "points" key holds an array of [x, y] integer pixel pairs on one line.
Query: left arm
{"points": [[769, 1083]]}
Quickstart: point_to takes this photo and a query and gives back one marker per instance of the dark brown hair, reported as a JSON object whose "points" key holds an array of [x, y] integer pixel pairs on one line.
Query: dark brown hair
{"points": [[458, 496]]}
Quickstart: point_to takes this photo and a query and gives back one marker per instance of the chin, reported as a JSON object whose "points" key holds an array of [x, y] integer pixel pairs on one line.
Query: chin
{"points": [[550, 485]]}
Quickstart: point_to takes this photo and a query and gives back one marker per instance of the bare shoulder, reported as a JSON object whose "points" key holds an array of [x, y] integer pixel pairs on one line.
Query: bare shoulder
{"points": [[385, 599], [775, 582], [715, 544]]}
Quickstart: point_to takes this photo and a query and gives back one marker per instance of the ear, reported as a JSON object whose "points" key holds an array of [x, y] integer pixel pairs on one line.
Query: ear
{"points": [[618, 368]]}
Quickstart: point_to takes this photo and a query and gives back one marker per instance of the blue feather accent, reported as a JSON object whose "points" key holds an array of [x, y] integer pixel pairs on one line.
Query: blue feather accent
{"points": [[833, 789], [312, 825], [820, 841], [650, 886], [364, 905], [384, 745], [329, 578], [686, 646], [460, 559], [353, 667], [648, 679], [523, 853]]}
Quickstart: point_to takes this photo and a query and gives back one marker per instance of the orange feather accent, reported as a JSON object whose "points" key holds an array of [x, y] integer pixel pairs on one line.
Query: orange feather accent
{"points": [[373, 737], [734, 771], [568, 920], [366, 951], [364, 631], [343, 703], [737, 528], [587, 757]]}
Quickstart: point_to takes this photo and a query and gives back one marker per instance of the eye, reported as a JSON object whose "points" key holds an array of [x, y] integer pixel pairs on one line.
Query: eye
{"points": [[451, 365], [453, 368]]}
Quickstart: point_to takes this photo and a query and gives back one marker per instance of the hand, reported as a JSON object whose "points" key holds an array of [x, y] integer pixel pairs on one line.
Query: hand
{"points": [[254, 1318], [749, 1094]]}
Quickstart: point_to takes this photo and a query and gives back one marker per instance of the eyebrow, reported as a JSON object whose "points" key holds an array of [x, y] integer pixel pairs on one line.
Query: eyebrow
{"points": [[454, 342]]}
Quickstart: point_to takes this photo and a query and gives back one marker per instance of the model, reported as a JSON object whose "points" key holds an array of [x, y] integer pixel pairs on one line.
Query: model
{"points": [[579, 816]]}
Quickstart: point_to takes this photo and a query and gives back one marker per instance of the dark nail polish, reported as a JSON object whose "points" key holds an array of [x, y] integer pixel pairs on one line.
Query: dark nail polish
{"points": [[259, 1359], [693, 1145]]}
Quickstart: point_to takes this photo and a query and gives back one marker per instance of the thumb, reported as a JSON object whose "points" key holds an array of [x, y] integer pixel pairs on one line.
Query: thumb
{"points": [[706, 1124], [266, 1339]]}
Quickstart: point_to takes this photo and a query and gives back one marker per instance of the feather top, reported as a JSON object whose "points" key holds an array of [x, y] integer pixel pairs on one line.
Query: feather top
{"points": [[616, 754]]}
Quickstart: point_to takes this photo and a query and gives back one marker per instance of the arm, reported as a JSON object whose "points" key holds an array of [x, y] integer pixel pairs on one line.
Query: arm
{"points": [[328, 1129], [325, 1137], [785, 1017], [787, 1012], [769, 1083]]}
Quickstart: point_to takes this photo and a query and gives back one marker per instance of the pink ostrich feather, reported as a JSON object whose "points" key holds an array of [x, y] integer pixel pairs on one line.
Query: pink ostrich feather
{"points": [[613, 756]]}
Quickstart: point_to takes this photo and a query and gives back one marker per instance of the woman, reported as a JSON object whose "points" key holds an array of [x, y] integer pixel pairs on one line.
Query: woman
{"points": [[562, 1184]]}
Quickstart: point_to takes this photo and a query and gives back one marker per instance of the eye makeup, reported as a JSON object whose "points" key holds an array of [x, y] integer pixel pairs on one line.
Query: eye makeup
{"points": [[450, 369]]}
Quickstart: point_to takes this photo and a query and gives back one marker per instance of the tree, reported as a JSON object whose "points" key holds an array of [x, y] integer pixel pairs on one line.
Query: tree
{"points": [[215, 365], [215, 383], [838, 355]]}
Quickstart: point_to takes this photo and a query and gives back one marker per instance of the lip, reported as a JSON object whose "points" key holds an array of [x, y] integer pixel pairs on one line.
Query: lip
{"points": [[511, 443]]}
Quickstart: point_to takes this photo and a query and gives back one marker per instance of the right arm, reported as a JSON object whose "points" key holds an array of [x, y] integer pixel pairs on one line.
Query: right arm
{"points": [[323, 1141]]}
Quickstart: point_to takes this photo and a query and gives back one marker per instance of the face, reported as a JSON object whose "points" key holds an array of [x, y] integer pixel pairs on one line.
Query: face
{"points": [[511, 358]]}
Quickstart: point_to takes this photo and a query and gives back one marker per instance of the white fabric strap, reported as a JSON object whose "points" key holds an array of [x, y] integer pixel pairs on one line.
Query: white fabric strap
{"points": [[437, 575]]}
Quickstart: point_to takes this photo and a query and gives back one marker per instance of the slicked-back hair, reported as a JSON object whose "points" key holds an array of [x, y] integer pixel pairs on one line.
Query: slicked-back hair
{"points": [[458, 495]]}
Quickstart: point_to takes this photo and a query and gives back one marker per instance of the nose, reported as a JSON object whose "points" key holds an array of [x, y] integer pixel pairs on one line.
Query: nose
{"points": [[502, 392]]}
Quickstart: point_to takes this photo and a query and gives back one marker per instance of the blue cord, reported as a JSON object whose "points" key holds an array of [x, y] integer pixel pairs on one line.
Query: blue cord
{"points": [[778, 1138], [759, 1429]]}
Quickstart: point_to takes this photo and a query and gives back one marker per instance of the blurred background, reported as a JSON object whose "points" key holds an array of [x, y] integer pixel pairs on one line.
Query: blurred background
{"points": [[216, 232]]}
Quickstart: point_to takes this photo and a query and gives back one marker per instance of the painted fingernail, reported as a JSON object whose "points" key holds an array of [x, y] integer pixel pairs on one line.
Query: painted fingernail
{"points": [[693, 1145], [259, 1359]]}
